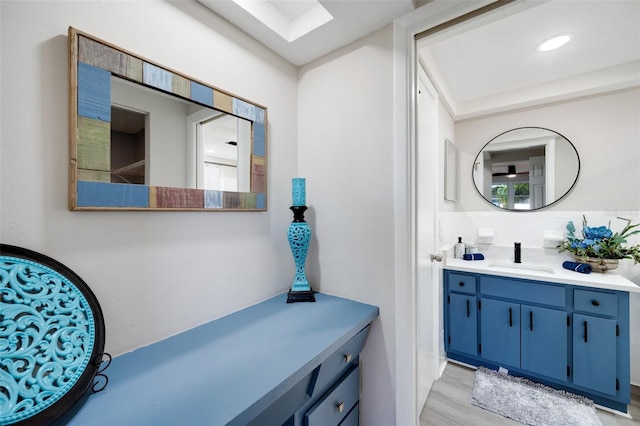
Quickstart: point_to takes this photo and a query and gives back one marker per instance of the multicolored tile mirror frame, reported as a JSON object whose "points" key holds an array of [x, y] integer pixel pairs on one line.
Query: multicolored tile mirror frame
{"points": [[92, 64]]}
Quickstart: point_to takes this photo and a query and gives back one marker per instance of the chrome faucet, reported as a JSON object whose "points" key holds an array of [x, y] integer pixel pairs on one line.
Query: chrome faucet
{"points": [[517, 252]]}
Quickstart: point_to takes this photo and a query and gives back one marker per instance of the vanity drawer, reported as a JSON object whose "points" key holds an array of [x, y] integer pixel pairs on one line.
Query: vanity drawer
{"points": [[335, 406], [532, 292], [339, 362], [595, 302], [462, 283]]}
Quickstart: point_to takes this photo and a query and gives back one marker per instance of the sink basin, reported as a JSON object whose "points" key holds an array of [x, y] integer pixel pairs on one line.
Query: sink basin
{"points": [[536, 267]]}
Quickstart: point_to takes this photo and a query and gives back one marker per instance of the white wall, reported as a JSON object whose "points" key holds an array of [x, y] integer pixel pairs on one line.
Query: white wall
{"points": [[154, 273], [346, 154]]}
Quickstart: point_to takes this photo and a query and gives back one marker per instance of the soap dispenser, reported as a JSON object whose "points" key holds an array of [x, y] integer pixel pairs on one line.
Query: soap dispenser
{"points": [[458, 249]]}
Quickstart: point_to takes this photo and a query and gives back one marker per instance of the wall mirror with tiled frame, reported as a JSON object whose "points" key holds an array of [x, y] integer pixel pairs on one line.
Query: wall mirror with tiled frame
{"points": [[145, 137]]}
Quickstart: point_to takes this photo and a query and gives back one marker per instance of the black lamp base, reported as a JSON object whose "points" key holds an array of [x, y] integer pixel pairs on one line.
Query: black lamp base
{"points": [[300, 296]]}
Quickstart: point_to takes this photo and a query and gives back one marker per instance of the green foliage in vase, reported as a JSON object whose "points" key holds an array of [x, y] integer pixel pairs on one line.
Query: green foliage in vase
{"points": [[601, 242]]}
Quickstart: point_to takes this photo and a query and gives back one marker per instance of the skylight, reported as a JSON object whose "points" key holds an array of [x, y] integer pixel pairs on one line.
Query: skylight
{"points": [[290, 19]]}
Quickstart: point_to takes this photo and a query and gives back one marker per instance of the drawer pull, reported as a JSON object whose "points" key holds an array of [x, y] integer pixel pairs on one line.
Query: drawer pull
{"points": [[347, 358], [595, 302], [461, 283], [340, 407]]}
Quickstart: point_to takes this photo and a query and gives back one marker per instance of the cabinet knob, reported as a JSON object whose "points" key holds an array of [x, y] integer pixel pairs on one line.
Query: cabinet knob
{"points": [[461, 283], [595, 302], [347, 358], [340, 407]]}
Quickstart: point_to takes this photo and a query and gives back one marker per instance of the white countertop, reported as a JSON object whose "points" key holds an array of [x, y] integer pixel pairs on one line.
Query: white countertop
{"points": [[542, 272]]}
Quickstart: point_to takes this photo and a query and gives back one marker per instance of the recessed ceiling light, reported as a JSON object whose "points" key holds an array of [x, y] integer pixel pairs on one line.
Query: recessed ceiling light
{"points": [[554, 43]]}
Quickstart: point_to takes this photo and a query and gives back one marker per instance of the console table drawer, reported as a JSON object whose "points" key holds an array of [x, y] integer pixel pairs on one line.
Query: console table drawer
{"points": [[335, 406], [462, 283], [595, 302], [339, 362], [353, 418]]}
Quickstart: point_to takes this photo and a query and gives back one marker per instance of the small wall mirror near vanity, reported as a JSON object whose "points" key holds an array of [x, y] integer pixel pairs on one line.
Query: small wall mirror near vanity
{"points": [[526, 168], [450, 171], [143, 136]]}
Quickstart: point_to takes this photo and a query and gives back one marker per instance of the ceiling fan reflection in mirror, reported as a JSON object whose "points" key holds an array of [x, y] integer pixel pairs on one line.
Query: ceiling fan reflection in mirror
{"points": [[510, 173]]}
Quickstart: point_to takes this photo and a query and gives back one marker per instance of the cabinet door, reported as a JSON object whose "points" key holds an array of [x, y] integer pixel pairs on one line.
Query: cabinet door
{"points": [[544, 341], [463, 324], [594, 353], [500, 332]]}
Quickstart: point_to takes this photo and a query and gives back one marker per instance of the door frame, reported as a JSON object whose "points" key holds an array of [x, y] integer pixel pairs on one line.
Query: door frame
{"points": [[405, 65]]}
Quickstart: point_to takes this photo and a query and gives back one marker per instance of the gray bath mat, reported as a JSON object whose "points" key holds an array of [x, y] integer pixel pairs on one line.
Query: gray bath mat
{"points": [[530, 403]]}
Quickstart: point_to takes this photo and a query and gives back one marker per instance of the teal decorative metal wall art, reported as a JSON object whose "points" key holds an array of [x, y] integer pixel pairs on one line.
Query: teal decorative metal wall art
{"points": [[299, 235], [51, 338]]}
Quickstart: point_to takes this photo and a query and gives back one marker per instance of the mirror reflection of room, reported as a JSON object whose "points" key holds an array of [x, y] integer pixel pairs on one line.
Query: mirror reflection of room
{"points": [[187, 138], [226, 140], [128, 152], [526, 169]]}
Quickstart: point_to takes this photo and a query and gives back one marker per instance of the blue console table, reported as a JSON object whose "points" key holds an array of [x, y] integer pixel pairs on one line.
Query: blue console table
{"points": [[272, 363]]}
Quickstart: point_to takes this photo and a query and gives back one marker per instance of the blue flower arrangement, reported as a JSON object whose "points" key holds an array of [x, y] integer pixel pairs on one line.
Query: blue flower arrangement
{"points": [[601, 242]]}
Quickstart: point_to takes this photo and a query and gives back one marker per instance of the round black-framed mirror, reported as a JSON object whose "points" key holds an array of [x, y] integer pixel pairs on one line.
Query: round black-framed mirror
{"points": [[51, 337], [526, 168]]}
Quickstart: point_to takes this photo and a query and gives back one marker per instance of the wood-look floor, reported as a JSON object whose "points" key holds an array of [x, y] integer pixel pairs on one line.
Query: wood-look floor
{"points": [[448, 404]]}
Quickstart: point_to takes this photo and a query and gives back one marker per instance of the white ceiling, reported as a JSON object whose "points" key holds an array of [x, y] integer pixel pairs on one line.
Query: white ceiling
{"points": [[485, 65], [352, 19], [492, 64]]}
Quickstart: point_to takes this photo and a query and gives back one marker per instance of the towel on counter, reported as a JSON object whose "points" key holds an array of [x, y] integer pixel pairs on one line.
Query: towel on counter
{"points": [[584, 268], [473, 256]]}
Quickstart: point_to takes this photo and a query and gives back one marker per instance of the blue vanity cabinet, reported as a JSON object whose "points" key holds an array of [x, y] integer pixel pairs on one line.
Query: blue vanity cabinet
{"points": [[522, 336], [600, 332], [523, 325], [463, 331], [594, 338], [500, 331], [462, 317], [544, 342], [569, 337]]}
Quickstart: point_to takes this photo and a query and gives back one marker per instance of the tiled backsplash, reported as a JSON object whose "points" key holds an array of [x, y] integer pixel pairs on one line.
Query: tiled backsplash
{"points": [[533, 230]]}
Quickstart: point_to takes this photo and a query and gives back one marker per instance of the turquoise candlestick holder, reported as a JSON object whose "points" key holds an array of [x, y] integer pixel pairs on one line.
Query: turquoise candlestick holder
{"points": [[299, 235]]}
